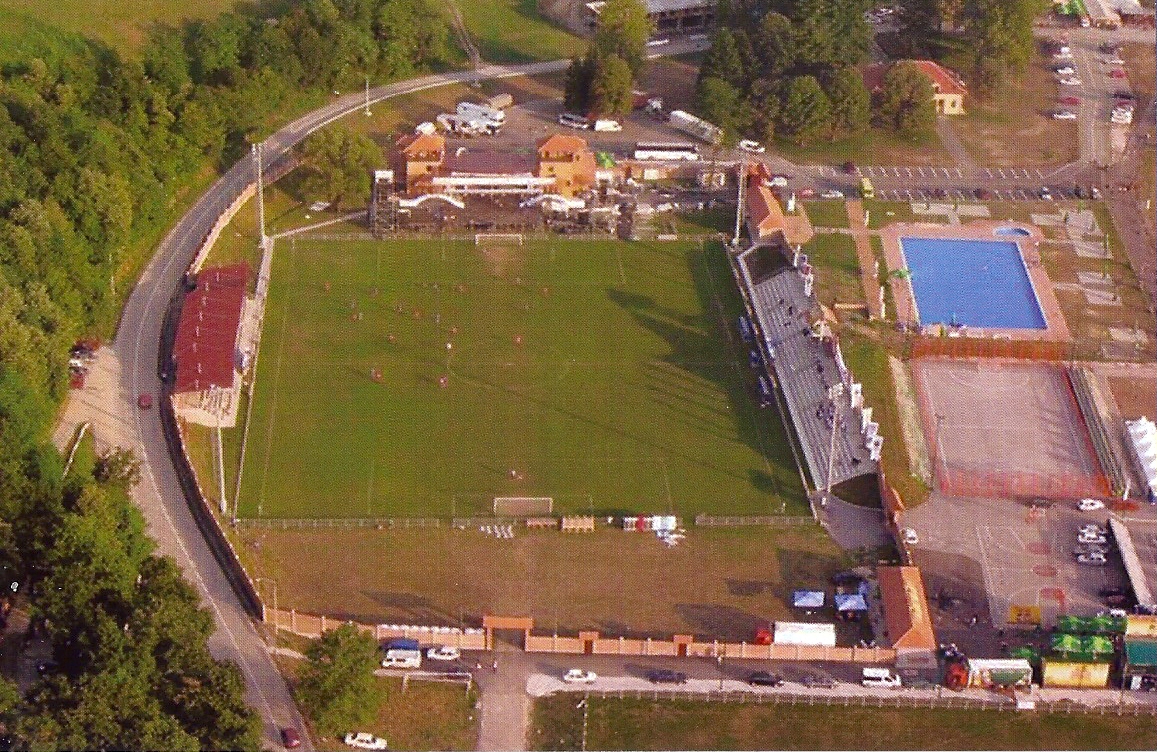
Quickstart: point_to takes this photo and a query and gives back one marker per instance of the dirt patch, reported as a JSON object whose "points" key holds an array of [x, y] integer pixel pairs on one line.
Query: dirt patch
{"points": [[918, 460], [1134, 396], [502, 258], [716, 583]]}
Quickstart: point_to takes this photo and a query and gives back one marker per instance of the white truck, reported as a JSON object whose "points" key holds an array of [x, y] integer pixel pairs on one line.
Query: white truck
{"points": [[607, 125], [463, 126], [402, 653], [697, 127], [482, 112]]}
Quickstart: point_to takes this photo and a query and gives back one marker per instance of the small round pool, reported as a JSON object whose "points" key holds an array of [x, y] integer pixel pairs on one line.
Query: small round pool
{"points": [[1006, 231]]}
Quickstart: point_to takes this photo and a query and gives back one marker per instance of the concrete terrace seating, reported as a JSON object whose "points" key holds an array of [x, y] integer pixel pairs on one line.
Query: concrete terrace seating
{"points": [[805, 372]]}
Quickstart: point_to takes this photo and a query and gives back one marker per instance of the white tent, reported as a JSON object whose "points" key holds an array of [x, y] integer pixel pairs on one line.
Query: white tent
{"points": [[1143, 440], [800, 633]]}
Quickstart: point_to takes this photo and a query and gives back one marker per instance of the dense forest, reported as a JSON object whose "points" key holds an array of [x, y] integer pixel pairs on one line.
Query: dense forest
{"points": [[94, 149]]}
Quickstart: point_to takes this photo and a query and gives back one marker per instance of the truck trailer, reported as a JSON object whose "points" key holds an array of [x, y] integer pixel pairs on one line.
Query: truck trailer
{"points": [[697, 127]]}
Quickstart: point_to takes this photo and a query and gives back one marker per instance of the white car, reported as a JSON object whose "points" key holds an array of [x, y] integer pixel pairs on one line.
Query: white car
{"points": [[443, 653], [1090, 537], [1113, 61], [363, 740], [910, 537], [1065, 115], [1090, 505], [832, 194], [1071, 81], [1066, 70], [1094, 559], [778, 181], [578, 676], [1092, 529], [753, 147]]}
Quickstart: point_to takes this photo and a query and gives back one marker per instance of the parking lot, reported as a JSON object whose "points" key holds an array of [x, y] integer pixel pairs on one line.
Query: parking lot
{"points": [[1024, 555]]}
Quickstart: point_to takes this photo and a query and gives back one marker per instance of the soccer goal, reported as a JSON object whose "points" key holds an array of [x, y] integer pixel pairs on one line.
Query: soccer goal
{"points": [[523, 506], [497, 238]]}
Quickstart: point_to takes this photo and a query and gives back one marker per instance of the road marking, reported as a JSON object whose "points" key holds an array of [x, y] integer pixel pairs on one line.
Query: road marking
{"points": [[909, 169]]}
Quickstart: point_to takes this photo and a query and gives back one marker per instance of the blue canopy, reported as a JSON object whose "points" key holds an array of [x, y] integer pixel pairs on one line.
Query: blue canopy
{"points": [[851, 602], [807, 598]]}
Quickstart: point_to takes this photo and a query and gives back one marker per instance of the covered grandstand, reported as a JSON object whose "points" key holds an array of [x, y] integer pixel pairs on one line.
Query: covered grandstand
{"points": [[1141, 579], [824, 404]]}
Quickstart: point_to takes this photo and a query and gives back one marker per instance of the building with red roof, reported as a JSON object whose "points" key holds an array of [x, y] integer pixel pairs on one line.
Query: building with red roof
{"points": [[948, 89], [205, 348]]}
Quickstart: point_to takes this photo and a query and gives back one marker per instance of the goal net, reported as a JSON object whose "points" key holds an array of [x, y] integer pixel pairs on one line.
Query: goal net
{"points": [[523, 506], [497, 238]]}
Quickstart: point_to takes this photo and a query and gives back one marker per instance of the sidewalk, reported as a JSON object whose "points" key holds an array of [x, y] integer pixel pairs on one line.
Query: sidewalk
{"points": [[865, 258]]}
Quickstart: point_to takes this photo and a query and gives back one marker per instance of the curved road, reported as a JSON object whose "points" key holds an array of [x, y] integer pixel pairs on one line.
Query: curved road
{"points": [[128, 367]]}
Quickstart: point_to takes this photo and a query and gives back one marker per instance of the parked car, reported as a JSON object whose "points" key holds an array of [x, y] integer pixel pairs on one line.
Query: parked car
{"points": [[362, 740], [443, 653], [1109, 592], [765, 679], [1092, 528], [778, 181], [144, 401], [1090, 537], [1128, 96], [910, 536], [1065, 70], [818, 680], [1070, 100], [833, 193], [849, 168], [1114, 60], [1045, 194], [1095, 192], [753, 147], [1070, 81], [807, 193], [290, 739], [1090, 505], [982, 193], [579, 676], [939, 193], [666, 676], [1096, 560], [1089, 548], [1116, 73], [1064, 115]]}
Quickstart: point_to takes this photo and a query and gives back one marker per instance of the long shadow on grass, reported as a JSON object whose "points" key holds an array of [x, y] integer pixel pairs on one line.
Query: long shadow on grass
{"points": [[720, 622], [710, 353]]}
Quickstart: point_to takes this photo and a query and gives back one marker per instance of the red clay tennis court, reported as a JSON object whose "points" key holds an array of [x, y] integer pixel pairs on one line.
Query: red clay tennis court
{"points": [[1005, 429]]}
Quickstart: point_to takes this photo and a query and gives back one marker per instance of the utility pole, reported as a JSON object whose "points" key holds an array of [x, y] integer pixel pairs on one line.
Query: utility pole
{"points": [[260, 194]]}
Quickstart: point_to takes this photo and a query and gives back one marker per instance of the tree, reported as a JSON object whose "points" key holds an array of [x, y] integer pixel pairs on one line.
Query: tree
{"points": [[337, 687], [611, 87], [906, 104], [580, 76], [623, 29], [722, 61], [721, 103], [776, 45], [999, 35], [118, 467], [806, 113], [338, 165], [851, 103]]}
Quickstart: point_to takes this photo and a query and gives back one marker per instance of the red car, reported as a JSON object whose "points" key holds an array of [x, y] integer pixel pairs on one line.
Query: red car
{"points": [[1116, 73], [145, 401], [1070, 100], [290, 738]]}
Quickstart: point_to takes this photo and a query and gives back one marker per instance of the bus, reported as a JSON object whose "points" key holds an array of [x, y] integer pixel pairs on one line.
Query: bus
{"points": [[866, 189], [669, 152]]}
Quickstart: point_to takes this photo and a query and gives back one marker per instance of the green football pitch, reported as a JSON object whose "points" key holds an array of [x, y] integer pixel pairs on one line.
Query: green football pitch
{"points": [[424, 378]]}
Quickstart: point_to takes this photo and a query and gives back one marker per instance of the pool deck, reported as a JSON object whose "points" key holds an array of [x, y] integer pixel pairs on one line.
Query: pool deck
{"points": [[1056, 329]]}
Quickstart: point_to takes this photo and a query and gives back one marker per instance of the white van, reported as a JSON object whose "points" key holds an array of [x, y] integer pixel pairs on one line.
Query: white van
{"points": [[607, 125], [402, 661], [879, 677]]}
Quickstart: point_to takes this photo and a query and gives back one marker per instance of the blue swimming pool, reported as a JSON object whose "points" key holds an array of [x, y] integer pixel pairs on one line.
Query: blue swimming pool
{"points": [[980, 283]]}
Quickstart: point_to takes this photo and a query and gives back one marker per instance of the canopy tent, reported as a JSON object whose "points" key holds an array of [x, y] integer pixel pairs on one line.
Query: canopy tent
{"points": [[850, 602], [1097, 645], [1068, 623], [808, 599], [1066, 643], [797, 633]]}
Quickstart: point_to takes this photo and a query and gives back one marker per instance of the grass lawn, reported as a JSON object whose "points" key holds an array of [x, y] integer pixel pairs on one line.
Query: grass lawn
{"points": [[428, 715], [882, 213], [1013, 125], [123, 25], [718, 583], [838, 269], [604, 373], [513, 31], [684, 724], [826, 213], [876, 147]]}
